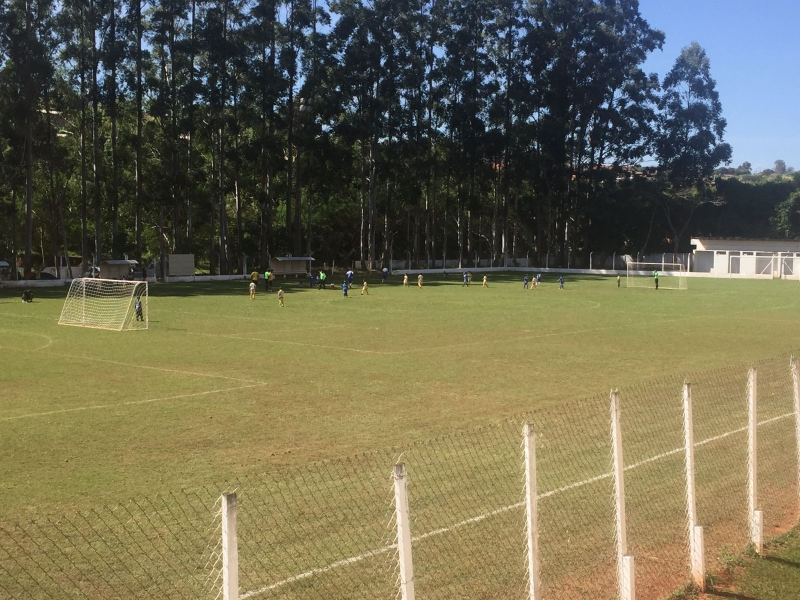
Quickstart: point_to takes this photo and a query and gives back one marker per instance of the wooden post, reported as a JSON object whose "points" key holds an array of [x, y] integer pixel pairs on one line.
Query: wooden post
{"points": [[625, 564], [230, 549], [696, 543], [796, 389], [531, 511], [754, 515], [403, 533]]}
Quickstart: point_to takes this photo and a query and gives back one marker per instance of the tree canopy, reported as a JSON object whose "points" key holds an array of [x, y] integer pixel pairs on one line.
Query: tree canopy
{"points": [[408, 129]]}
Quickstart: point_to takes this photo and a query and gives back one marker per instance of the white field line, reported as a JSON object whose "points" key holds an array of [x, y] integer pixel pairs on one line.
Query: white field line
{"points": [[19, 332], [162, 369], [243, 336], [435, 532], [130, 403]]}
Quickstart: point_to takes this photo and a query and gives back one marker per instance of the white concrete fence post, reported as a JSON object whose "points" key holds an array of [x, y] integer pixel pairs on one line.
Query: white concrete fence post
{"points": [[403, 532], [625, 564], [230, 549], [755, 516], [696, 542], [531, 511], [796, 389]]}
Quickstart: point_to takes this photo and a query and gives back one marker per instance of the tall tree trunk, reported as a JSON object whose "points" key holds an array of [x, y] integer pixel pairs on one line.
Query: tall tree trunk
{"points": [[373, 200], [98, 218], [30, 104], [173, 145], [224, 259], [139, 120], [84, 194], [190, 126], [113, 191]]}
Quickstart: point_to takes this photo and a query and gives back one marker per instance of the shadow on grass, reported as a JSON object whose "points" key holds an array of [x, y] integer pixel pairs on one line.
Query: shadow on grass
{"points": [[782, 561]]}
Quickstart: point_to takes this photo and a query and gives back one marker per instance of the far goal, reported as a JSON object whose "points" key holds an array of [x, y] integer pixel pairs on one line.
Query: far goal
{"points": [[106, 304], [671, 276]]}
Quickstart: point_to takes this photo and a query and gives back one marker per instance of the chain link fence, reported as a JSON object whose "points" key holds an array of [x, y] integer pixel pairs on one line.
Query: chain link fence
{"points": [[335, 529]]}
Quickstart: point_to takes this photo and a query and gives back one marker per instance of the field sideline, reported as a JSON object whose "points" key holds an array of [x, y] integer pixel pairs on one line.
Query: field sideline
{"points": [[223, 386]]}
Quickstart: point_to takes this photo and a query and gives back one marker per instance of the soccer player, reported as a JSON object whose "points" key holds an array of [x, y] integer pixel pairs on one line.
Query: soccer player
{"points": [[350, 275], [322, 278], [405, 280], [485, 282], [617, 280], [344, 289], [538, 278], [419, 280], [655, 277], [280, 297], [137, 308], [365, 288], [465, 279], [252, 290], [254, 276], [384, 275], [561, 282], [525, 282], [310, 280]]}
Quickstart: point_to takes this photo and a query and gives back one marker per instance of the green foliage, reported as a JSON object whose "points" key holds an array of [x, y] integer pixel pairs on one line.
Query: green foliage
{"points": [[408, 128]]}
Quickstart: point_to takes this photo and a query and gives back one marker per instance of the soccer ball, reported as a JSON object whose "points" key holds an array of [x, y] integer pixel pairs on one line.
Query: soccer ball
{"points": [[333, 286]]}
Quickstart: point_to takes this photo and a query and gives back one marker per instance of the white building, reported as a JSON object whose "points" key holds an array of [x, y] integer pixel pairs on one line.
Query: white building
{"points": [[747, 257]]}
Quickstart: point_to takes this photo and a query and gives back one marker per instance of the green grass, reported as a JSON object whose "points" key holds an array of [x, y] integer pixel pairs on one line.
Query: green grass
{"points": [[776, 576], [222, 386], [228, 392]]}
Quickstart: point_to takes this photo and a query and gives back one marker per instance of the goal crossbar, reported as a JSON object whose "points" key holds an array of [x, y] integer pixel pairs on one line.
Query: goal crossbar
{"points": [[671, 276], [112, 304]]}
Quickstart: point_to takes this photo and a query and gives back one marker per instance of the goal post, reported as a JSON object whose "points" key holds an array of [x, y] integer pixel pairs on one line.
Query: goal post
{"points": [[106, 304], [671, 276]]}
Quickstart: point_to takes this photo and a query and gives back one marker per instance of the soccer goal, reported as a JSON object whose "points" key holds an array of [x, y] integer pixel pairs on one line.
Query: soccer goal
{"points": [[106, 304], [672, 276]]}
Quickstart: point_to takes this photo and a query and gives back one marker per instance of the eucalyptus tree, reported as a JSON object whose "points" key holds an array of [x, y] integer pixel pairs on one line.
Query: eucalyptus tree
{"points": [[690, 142]]}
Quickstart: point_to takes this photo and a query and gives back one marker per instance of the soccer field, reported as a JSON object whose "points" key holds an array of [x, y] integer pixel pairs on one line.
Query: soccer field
{"points": [[223, 386]]}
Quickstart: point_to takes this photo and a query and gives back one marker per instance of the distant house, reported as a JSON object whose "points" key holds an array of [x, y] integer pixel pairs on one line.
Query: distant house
{"points": [[291, 265], [747, 257], [117, 269]]}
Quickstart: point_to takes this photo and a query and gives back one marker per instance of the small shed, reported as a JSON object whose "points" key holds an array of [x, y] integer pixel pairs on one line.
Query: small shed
{"points": [[117, 269], [291, 265]]}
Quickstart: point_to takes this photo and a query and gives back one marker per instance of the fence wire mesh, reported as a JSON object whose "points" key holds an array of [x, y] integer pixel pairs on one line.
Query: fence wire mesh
{"points": [[329, 530]]}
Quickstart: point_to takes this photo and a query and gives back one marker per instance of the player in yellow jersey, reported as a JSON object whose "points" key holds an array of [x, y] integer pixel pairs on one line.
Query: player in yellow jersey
{"points": [[365, 288], [405, 280], [485, 281], [419, 280]]}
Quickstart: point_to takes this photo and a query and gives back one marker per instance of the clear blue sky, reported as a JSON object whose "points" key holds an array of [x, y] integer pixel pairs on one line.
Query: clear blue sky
{"points": [[754, 48]]}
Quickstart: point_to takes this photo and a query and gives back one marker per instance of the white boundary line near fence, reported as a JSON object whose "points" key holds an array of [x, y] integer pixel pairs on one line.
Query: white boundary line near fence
{"points": [[504, 509]]}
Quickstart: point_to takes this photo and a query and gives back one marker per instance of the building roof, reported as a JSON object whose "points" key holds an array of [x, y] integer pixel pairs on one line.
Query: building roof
{"points": [[4, 264], [289, 258], [119, 262], [745, 244]]}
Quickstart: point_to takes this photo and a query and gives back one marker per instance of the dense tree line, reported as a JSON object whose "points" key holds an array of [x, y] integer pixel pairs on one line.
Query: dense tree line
{"points": [[349, 129]]}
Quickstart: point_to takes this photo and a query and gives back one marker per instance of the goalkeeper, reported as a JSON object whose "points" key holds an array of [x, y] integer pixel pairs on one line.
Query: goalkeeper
{"points": [[137, 308]]}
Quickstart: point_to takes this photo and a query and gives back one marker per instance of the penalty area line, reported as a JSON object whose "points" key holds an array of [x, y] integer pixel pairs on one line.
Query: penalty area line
{"points": [[130, 402]]}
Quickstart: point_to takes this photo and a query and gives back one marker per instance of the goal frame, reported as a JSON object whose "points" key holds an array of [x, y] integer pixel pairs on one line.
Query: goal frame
{"points": [[120, 294], [638, 271]]}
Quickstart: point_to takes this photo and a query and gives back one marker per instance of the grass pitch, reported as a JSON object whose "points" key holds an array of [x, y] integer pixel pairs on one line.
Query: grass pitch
{"points": [[222, 386]]}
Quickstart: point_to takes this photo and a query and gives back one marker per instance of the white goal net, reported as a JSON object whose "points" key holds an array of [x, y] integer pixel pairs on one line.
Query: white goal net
{"points": [[671, 276], [106, 304]]}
